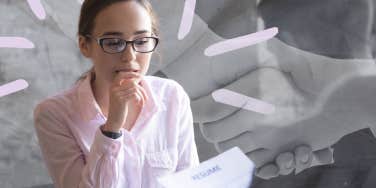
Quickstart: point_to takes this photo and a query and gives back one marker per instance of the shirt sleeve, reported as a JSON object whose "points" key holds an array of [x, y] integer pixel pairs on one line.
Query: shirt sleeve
{"points": [[65, 160], [187, 149]]}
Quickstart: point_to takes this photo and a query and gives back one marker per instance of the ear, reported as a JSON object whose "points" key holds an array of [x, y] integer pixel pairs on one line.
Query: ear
{"points": [[84, 46]]}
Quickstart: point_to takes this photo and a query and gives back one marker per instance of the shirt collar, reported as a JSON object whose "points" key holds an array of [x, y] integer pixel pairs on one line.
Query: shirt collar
{"points": [[90, 109]]}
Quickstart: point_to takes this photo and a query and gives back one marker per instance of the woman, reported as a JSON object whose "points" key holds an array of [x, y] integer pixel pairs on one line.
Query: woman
{"points": [[116, 127]]}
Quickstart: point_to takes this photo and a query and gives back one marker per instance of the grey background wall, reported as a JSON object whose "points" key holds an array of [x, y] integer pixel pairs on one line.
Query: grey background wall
{"points": [[316, 72]]}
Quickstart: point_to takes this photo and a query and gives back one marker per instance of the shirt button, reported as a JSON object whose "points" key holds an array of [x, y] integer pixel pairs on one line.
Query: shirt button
{"points": [[128, 142], [113, 146], [114, 149]]}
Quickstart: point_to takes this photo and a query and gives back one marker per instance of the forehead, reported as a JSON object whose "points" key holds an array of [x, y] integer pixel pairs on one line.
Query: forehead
{"points": [[125, 17]]}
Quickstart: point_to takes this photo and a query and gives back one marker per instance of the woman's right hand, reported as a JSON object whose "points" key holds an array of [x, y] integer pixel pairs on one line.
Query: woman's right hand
{"points": [[125, 92]]}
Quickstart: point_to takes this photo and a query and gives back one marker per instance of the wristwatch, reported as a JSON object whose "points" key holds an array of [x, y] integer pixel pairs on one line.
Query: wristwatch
{"points": [[113, 135]]}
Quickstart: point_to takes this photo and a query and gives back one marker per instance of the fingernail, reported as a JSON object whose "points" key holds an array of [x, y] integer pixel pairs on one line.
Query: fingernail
{"points": [[304, 158], [285, 160], [303, 154], [268, 171], [289, 164]]}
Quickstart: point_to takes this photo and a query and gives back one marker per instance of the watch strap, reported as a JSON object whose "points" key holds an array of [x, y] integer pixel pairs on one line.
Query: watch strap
{"points": [[110, 134]]}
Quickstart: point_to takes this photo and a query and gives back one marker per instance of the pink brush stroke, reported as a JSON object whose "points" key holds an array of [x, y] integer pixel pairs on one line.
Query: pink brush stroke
{"points": [[15, 42], [37, 8], [187, 18], [232, 98], [13, 87], [240, 42]]}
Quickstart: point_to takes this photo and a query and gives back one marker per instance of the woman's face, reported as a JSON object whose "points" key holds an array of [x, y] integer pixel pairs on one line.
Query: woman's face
{"points": [[126, 20]]}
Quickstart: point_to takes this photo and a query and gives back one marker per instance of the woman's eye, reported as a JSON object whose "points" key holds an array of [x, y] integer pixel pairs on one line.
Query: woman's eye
{"points": [[113, 43], [141, 42]]}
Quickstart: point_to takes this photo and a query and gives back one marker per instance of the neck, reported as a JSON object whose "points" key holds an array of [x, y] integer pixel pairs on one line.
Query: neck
{"points": [[101, 94]]}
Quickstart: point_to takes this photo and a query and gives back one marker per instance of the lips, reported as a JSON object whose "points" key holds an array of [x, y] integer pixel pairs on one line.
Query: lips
{"points": [[126, 70]]}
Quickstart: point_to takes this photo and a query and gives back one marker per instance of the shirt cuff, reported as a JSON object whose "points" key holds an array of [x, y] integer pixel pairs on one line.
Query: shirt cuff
{"points": [[107, 145]]}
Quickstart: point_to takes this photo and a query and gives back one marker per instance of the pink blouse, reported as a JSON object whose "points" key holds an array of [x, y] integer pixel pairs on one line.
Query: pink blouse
{"points": [[78, 155]]}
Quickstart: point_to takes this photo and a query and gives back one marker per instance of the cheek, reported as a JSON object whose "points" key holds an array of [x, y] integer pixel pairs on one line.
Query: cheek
{"points": [[144, 60], [104, 60]]}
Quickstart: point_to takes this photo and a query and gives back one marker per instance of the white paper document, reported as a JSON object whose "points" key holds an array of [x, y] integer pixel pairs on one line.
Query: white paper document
{"points": [[231, 169]]}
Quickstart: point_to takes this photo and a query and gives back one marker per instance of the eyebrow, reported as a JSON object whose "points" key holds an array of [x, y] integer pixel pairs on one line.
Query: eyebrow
{"points": [[120, 33]]}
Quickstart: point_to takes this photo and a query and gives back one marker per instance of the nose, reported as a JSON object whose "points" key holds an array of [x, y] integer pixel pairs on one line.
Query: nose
{"points": [[128, 54]]}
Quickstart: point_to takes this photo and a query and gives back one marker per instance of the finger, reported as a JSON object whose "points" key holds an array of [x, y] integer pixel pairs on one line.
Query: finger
{"points": [[303, 158], [141, 97], [143, 92], [268, 171], [286, 163], [261, 156], [130, 96], [119, 81], [246, 141], [125, 77], [125, 86], [225, 128], [202, 109], [324, 156], [126, 92], [128, 76], [124, 83], [136, 89]]}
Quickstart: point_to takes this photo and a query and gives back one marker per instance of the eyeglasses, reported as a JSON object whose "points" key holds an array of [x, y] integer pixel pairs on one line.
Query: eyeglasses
{"points": [[118, 45]]}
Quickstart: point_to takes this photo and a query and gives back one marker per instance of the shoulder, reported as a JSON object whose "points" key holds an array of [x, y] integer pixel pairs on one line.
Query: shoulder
{"points": [[165, 86], [167, 89], [55, 105]]}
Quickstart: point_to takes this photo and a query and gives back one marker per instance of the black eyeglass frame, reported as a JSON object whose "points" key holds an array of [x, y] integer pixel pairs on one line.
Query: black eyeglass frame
{"points": [[99, 40]]}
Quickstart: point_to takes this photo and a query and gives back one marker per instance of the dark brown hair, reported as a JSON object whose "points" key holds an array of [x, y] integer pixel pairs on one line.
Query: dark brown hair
{"points": [[91, 8]]}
